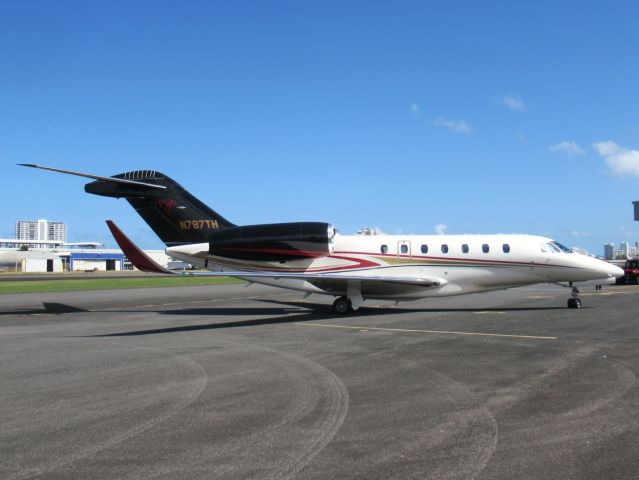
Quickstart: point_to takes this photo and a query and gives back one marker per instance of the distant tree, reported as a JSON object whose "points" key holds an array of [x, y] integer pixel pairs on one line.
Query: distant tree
{"points": [[24, 248]]}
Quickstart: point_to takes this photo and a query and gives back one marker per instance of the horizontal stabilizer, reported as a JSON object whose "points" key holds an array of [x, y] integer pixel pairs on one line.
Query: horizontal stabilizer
{"points": [[95, 177], [138, 258]]}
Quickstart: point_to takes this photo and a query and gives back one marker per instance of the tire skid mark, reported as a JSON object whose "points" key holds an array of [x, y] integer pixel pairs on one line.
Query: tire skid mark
{"points": [[336, 410], [485, 447], [330, 397], [506, 399], [627, 380], [197, 387], [600, 414]]}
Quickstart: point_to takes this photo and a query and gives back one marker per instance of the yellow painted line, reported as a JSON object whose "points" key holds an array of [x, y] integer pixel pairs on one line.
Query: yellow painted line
{"points": [[488, 312], [408, 330], [605, 294]]}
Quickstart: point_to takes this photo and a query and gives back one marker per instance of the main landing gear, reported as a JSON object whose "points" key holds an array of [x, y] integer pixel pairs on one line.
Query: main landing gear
{"points": [[574, 301], [342, 306], [351, 301]]}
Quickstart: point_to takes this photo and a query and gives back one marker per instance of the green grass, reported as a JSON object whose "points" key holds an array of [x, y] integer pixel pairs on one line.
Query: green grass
{"points": [[39, 286]]}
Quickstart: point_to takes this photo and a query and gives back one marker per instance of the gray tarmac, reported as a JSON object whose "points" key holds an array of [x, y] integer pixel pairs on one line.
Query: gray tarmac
{"points": [[255, 383]]}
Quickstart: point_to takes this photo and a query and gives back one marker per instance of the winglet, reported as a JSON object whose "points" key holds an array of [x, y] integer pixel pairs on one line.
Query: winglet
{"points": [[137, 257]]}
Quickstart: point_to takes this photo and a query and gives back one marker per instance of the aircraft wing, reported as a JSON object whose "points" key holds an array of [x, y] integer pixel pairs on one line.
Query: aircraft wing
{"points": [[340, 283], [335, 278], [330, 282]]}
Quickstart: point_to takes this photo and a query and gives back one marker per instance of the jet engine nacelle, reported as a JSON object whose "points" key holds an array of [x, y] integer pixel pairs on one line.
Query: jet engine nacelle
{"points": [[274, 241]]}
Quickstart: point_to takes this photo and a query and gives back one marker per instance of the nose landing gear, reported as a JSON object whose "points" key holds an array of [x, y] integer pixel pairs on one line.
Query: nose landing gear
{"points": [[574, 301]]}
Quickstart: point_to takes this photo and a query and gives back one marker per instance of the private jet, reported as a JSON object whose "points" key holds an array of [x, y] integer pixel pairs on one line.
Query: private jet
{"points": [[313, 257]]}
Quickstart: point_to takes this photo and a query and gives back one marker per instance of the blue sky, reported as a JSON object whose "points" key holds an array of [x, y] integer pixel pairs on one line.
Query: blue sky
{"points": [[483, 117]]}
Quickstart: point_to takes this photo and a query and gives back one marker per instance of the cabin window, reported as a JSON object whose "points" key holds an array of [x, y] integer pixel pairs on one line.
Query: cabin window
{"points": [[506, 248], [465, 248], [424, 248], [404, 248], [485, 248], [444, 248], [384, 249]]}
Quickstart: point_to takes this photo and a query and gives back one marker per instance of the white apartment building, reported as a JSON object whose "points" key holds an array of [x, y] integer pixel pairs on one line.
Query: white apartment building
{"points": [[41, 230]]}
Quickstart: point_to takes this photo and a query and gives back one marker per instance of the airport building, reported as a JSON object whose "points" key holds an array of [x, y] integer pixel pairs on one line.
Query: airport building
{"points": [[41, 246], [32, 256]]}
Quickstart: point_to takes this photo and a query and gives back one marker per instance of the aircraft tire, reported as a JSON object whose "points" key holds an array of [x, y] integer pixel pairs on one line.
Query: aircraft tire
{"points": [[342, 306], [574, 303]]}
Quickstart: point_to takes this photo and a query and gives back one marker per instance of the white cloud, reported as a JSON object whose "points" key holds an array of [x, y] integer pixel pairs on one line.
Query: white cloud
{"points": [[580, 234], [416, 111], [569, 148], [458, 126], [521, 137], [441, 229], [621, 161], [512, 102]]}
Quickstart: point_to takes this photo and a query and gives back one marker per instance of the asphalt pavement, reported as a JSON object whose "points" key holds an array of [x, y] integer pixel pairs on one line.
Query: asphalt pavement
{"points": [[255, 383]]}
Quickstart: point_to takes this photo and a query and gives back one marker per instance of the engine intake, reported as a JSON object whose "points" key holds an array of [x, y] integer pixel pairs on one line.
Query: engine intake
{"points": [[274, 241]]}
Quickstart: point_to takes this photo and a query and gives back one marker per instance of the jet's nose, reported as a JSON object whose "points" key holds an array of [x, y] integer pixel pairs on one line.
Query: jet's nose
{"points": [[615, 271], [602, 269]]}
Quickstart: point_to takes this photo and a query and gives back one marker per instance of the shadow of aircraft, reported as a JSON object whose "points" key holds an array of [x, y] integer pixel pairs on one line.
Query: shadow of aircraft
{"points": [[290, 312], [48, 308]]}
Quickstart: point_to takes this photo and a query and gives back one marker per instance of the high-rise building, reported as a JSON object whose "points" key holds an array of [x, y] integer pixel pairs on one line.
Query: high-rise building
{"points": [[625, 249], [609, 251], [42, 230]]}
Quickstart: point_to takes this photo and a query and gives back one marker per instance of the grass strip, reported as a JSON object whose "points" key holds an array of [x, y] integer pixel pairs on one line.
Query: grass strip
{"points": [[44, 286]]}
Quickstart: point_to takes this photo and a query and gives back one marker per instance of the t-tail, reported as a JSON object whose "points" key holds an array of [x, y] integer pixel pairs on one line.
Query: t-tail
{"points": [[176, 216]]}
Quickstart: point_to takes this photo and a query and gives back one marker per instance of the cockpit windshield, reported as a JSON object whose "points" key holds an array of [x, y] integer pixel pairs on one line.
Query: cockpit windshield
{"points": [[555, 247], [561, 247]]}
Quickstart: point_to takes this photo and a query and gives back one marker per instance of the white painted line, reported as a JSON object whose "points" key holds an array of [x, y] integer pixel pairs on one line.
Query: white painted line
{"points": [[409, 330]]}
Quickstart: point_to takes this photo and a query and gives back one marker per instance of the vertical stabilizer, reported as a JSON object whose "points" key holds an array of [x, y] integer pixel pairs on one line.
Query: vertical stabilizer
{"points": [[176, 216]]}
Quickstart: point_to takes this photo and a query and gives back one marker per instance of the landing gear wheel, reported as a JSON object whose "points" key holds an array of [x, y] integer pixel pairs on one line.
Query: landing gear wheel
{"points": [[342, 306], [574, 303]]}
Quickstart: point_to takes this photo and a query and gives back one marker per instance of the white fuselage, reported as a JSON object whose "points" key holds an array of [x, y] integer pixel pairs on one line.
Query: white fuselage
{"points": [[464, 263]]}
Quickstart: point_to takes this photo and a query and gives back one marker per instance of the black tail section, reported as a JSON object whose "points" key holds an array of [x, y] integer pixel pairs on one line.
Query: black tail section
{"points": [[176, 216]]}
